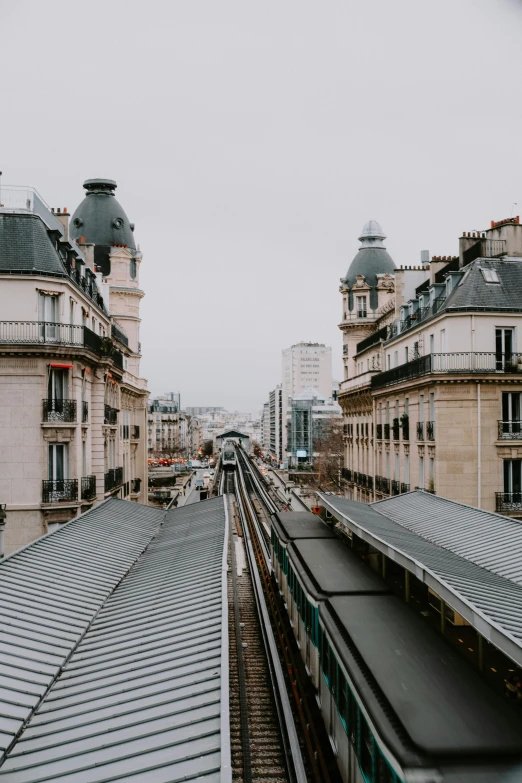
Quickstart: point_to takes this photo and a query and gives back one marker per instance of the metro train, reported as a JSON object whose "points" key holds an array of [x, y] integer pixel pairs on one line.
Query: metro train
{"points": [[229, 457], [398, 703]]}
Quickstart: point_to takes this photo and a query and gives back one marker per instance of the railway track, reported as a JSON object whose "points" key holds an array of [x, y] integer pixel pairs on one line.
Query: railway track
{"points": [[273, 731]]}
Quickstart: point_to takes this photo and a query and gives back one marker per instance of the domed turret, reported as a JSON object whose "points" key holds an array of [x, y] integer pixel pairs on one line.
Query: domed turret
{"points": [[100, 219], [372, 259]]}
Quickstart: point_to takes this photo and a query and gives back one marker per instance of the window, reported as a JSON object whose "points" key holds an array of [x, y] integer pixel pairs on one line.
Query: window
{"points": [[132, 268], [513, 479], [388, 362], [511, 412], [396, 358], [406, 354], [58, 461], [366, 749], [432, 406], [490, 275], [361, 306], [421, 407], [57, 384], [432, 343], [406, 468], [48, 317], [504, 343]]}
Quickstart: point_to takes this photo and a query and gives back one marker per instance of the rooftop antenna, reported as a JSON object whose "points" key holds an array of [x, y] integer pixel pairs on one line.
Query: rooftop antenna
{"points": [[512, 208]]}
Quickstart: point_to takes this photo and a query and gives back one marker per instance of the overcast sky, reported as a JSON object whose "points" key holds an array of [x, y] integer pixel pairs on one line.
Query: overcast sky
{"points": [[250, 142]]}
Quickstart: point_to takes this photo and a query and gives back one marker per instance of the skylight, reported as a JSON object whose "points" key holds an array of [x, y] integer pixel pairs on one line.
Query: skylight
{"points": [[490, 275]]}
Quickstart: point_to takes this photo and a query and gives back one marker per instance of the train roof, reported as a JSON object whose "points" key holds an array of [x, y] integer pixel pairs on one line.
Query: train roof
{"points": [[291, 525], [328, 566], [442, 707]]}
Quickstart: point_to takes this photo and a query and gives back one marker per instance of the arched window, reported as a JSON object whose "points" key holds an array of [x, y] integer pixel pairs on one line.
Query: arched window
{"points": [[133, 268]]}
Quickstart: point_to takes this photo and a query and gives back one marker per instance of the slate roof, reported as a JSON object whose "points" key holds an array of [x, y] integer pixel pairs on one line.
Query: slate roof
{"points": [[142, 696], [456, 550], [474, 292], [25, 246], [100, 218]]}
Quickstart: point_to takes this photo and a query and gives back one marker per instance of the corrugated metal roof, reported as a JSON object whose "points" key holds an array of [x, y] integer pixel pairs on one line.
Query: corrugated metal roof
{"points": [[490, 601], [142, 697]]}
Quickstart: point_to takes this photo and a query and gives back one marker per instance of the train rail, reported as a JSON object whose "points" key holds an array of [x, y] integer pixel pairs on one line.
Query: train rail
{"points": [[302, 743]]}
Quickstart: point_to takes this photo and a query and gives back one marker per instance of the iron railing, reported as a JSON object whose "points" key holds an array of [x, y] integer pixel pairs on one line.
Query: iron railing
{"points": [[135, 432], [430, 430], [136, 485], [508, 501], [462, 362], [405, 424], [373, 339], [88, 487], [110, 415], [396, 429], [60, 491], [386, 432], [119, 334], [385, 485], [404, 487], [59, 410], [510, 430], [379, 432], [85, 411], [113, 478], [395, 487], [346, 473], [420, 430]]}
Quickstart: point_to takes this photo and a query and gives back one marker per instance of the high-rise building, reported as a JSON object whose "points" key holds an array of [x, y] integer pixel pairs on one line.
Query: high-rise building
{"points": [[72, 404], [307, 419], [275, 403], [431, 393]]}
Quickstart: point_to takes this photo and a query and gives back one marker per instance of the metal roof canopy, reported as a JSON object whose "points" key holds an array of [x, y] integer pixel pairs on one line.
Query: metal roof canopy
{"points": [[233, 434], [446, 545], [134, 677]]}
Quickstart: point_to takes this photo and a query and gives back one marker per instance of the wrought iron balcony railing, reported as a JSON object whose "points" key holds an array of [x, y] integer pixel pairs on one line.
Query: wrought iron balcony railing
{"points": [[508, 501], [119, 334], [420, 430], [395, 487], [430, 430], [85, 412], [60, 491], [59, 410], [113, 478], [466, 362], [379, 432], [136, 485], [396, 429], [386, 432], [385, 485], [346, 474], [404, 487], [88, 487], [510, 430], [135, 432], [110, 415]]}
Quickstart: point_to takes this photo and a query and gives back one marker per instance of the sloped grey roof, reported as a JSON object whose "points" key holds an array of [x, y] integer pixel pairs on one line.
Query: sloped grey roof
{"points": [[142, 697], [25, 246], [370, 262], [473, 291], [491, 602]]}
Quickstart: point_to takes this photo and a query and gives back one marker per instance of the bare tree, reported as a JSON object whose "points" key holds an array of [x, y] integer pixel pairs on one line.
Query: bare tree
{"points": [[256, 448], [208, 448], [329, 451]]}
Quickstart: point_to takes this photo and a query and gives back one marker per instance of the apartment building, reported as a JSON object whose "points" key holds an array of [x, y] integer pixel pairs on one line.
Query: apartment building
{"points": [[305, 365], [72, 404], [169, 429], [275, 402], [432, 389]]}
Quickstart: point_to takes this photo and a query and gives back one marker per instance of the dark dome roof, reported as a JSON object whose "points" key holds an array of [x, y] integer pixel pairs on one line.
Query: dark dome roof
{"points": [[100, 218], [372, 259]]}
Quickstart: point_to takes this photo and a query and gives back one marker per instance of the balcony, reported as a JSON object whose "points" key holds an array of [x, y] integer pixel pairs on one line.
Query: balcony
{"points": [[373, 339], [395, 487], [386, 432], [430, 430], [120, 335], [508, 502], [60, 491], [113, 479], [420, 430], [52, 333], [85, 412], [346, 474], [510, 430], [88, 487], [404, 487], [396, 429], [59, 410], [110, 416], [136, 486], [466, 363], [135, 432], [379, 432]]}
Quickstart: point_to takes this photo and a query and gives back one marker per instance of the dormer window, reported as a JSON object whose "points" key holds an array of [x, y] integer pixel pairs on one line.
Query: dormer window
{"points": [[361, 307], [490, 275]]}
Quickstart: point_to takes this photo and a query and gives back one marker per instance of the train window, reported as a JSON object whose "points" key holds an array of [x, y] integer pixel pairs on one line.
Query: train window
{"points": [[352, 719], [366, 749], [326, 660], [383, 773], [343, 698]]}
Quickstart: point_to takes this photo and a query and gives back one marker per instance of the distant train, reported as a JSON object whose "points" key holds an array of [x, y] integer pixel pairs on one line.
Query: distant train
{"points": [[229, 457]]}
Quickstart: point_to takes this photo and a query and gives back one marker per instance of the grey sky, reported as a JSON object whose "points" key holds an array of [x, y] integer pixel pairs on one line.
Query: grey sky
{"points": [[251, 141]]}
